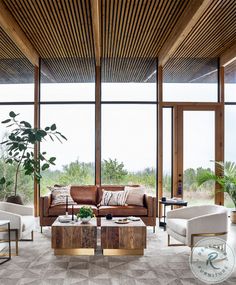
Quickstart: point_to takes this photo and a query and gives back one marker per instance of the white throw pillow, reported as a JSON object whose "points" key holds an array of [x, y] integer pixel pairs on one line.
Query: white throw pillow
{"points": [[134, 195], [113, 198], [59, 195]]}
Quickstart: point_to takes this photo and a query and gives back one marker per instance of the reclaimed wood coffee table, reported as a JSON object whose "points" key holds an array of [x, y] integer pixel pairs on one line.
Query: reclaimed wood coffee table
{"points": [[74, 238], [123, 239]]}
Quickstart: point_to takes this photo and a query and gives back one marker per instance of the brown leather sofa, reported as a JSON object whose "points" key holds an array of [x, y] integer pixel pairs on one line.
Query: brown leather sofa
{"points": [[92, 195]]}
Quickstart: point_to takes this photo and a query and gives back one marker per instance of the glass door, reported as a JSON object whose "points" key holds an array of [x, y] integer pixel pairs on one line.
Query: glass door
{"points": [[198, 155], [198, 141]]}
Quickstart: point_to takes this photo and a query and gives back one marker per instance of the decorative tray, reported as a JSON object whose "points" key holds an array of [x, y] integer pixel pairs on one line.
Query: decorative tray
{"points": [[122, 221]]}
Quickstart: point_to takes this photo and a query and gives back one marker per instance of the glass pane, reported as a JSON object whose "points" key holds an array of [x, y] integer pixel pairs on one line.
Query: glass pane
{"points": [[74, 157], [199, 152], [129, 79], [230, 83], [167, 152], [16, 92], [129, 145], [190, 80], [69, 79], [25, 183], [129, 92], [67, 92], [230, 142]]}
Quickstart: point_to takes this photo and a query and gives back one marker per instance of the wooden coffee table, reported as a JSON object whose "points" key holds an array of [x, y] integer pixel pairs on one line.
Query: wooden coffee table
{"points": [[123, 239], [74, 239]]}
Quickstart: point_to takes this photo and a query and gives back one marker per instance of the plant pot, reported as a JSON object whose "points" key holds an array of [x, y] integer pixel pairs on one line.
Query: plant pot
{"points": [[233, 216], [15, 200], [85, 220]]}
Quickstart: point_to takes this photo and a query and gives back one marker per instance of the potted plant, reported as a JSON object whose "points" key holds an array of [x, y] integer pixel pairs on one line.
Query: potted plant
{"points": [[85, 214], [20, 145], [227, 181]]}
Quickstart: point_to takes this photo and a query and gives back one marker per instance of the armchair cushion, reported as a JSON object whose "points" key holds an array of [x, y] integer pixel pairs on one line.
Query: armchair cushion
{"points": [[178, 226], [27, 223]]}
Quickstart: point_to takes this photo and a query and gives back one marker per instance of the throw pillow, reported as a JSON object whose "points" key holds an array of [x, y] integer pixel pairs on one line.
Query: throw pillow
{"points": [[134, 195], [113, 198], [59, 195]]}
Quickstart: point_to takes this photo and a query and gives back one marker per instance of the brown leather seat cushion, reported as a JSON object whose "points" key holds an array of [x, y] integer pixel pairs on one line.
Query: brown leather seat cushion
{"points": [[84, 194], [122, 211], [61, 209]]}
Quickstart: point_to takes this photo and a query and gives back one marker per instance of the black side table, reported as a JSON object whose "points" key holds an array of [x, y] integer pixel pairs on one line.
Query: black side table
{"points": [[170, 202], [5, 227]]}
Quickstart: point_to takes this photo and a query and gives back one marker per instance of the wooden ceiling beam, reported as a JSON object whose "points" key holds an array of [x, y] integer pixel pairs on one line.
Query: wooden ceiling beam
{"points": [[96, 24], [228, 56], [182, 28], [14, 31]]}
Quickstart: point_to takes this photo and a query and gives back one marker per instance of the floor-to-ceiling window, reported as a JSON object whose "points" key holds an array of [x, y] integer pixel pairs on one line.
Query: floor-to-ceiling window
{"points": [[17, 95], [189, 83], [69, 102], [129, 127]]}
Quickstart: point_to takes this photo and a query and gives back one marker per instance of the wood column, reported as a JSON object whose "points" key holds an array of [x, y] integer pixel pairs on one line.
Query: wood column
{"points": [[159, 139], [178, 150], [219, 135], [98, 125], [36, 125]]}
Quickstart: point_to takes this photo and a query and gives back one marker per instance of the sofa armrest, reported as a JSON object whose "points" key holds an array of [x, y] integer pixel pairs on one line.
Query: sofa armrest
{"points": [[18, 209], [45, 203], [150, 204], [211, 223], [15, 219]]}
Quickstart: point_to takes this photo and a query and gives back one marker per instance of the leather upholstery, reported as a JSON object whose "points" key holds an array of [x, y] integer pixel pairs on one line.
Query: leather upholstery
{"points": [[90, 195], [60, 209], [84, 194], [122, 211]]}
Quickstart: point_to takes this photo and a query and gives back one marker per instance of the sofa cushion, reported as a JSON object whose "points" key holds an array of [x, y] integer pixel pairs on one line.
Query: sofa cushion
{"points": [[84, 194], [28, 222], [107, 188], [61, 210], [177, 225], [122, 211], [60, 194], [135, 195], [114, 198]]}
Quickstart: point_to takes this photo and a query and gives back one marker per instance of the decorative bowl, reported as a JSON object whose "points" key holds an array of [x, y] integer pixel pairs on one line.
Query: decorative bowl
{"points": [[85, 220]]}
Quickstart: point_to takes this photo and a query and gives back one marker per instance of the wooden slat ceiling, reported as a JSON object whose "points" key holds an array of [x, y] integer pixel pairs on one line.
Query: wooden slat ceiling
{"points": [[61, 32], [212, 34], [14, 67], [132, 34]]}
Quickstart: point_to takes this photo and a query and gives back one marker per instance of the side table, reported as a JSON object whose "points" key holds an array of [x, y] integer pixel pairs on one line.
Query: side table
{"points": [[169, 202], [5, 227]]}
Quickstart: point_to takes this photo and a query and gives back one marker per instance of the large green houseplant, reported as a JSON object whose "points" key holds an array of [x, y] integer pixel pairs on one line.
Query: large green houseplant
{"points": [[227, 181], [20, 150]]}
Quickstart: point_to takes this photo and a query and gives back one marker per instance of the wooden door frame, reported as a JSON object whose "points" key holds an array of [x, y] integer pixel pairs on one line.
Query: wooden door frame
{"points": [[178, 111]]}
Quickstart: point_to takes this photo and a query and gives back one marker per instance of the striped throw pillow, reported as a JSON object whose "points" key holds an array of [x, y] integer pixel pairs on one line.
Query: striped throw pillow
{"points": [[113, 198]]}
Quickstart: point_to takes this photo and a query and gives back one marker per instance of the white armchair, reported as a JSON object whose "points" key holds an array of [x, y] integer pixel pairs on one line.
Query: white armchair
{"points": [[21, 219], [189, 225]]}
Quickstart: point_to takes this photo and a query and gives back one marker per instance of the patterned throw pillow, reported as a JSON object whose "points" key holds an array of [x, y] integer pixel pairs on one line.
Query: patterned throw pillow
{"points": [[59, 195], [113, 198], [134, 195]]}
